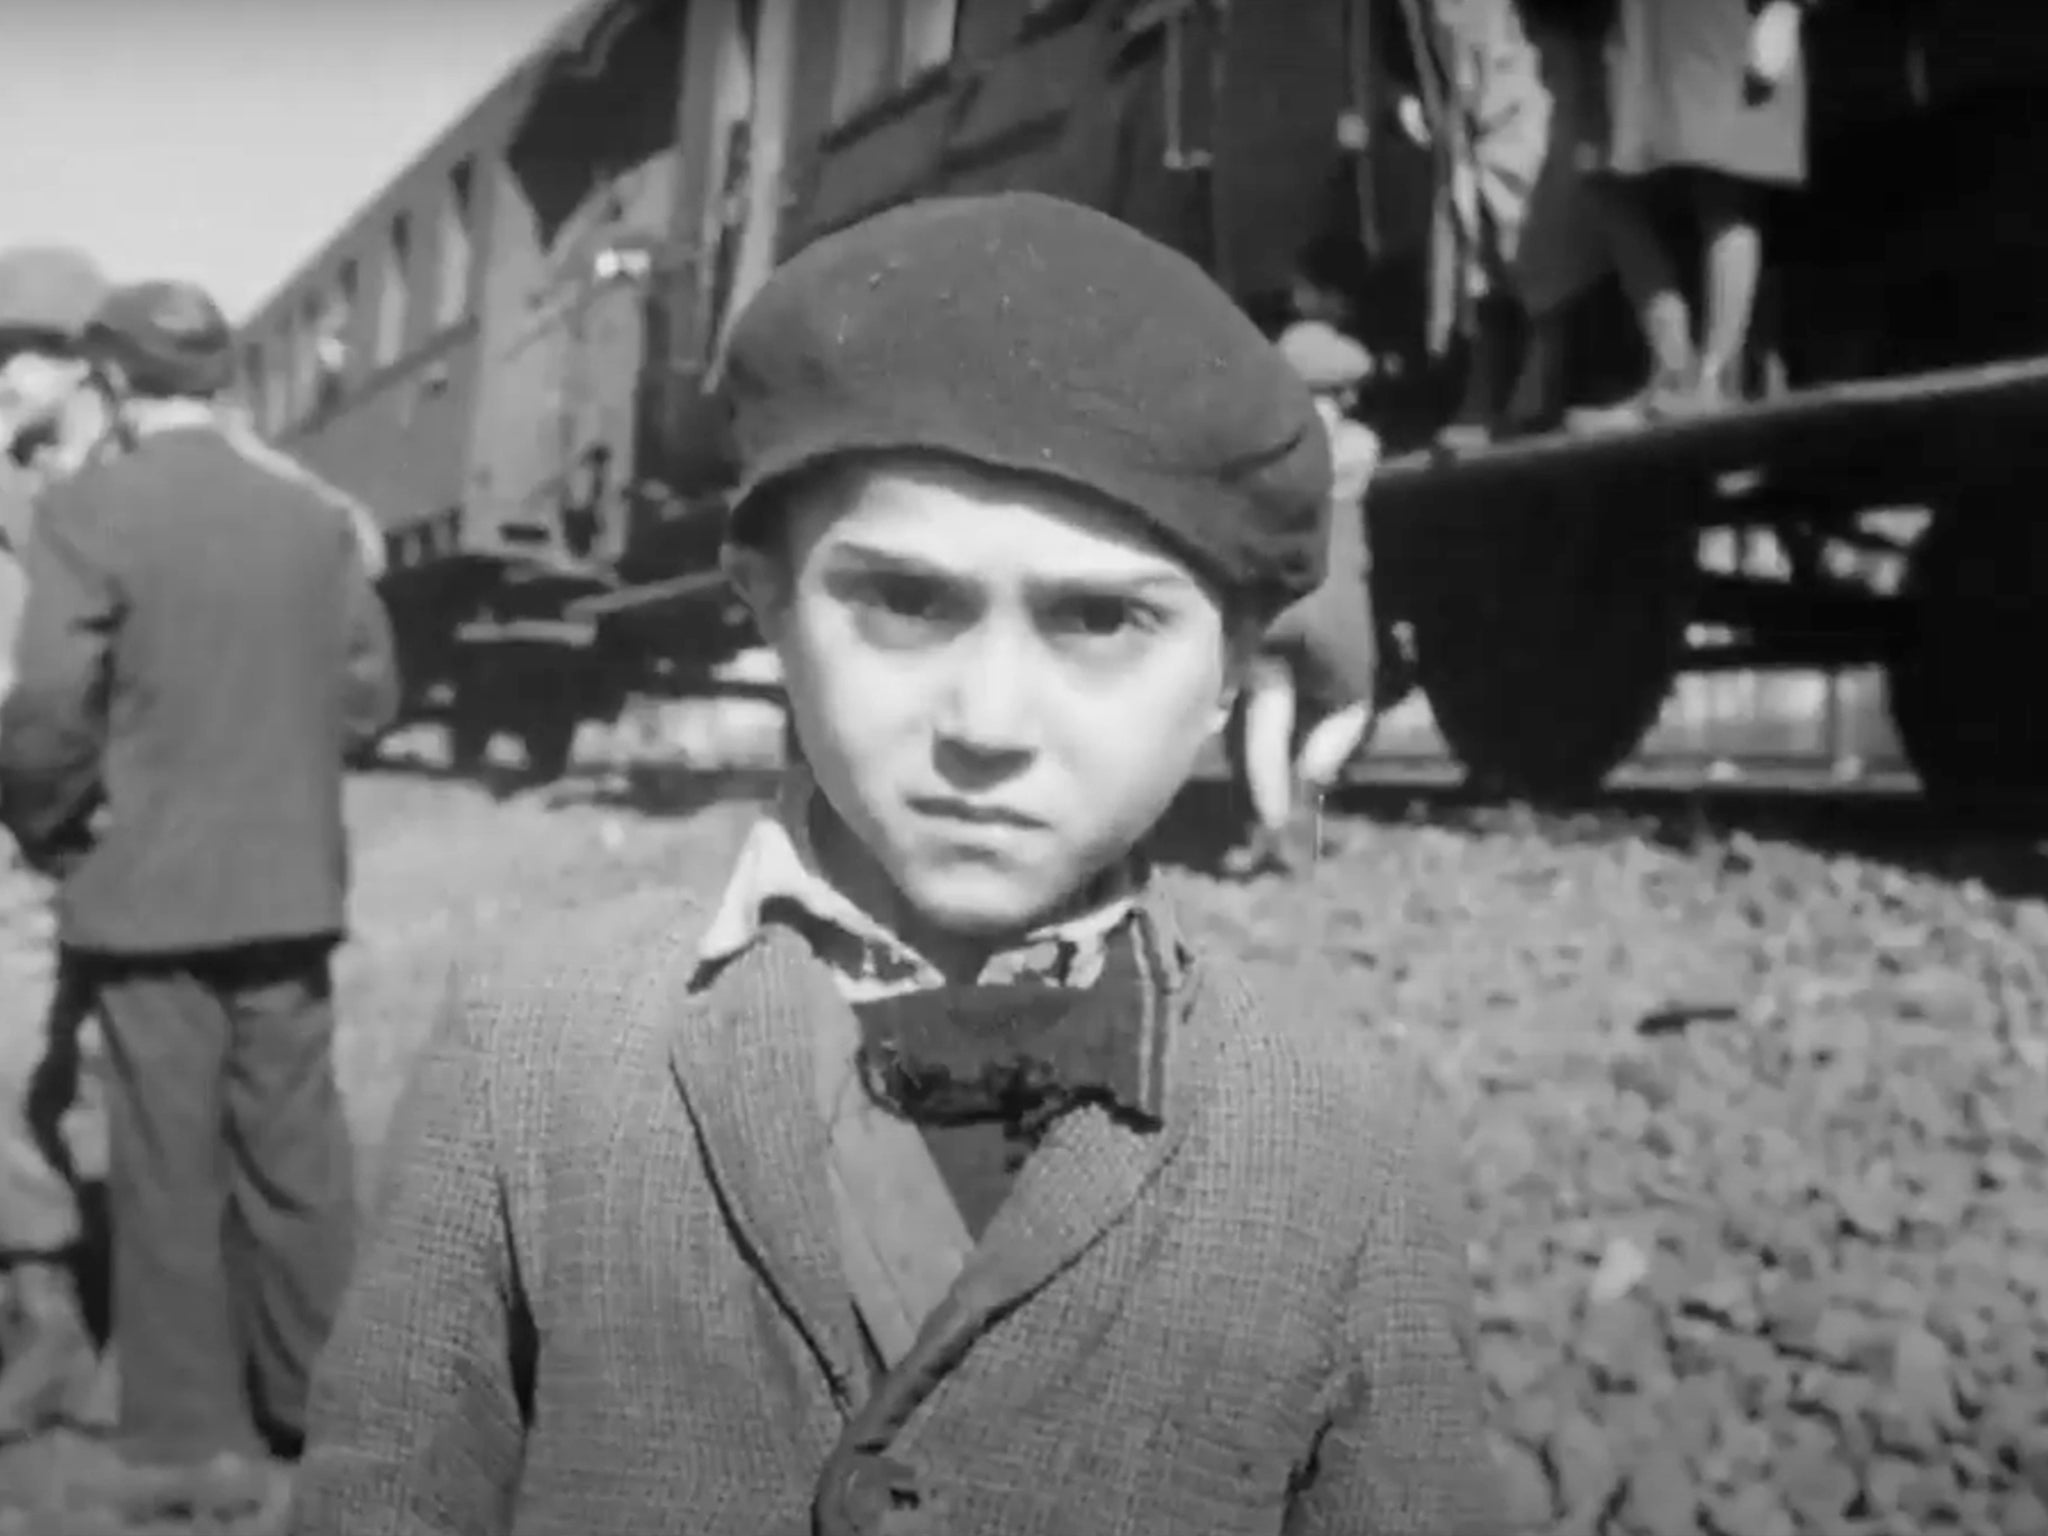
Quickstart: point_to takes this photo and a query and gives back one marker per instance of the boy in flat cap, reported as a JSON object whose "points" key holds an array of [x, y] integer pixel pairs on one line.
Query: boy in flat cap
{"points": [[932, 1180], [1322, 653]]}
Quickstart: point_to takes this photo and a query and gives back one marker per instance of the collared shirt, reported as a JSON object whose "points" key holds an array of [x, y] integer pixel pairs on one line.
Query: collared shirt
{"points": [[1095, 1041], [778, 863]]}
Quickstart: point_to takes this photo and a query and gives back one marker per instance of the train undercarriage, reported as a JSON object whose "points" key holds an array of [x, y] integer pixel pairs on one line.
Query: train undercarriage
{"points": [[1547, 593], [1554, 590]]}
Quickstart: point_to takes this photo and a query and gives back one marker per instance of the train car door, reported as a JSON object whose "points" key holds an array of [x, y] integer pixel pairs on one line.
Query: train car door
{"points": [[1313, 161], [593, 166], [609, 348]]}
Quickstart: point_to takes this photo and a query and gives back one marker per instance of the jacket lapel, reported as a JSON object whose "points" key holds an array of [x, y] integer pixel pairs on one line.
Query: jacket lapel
{"points": [[743, 1055]]}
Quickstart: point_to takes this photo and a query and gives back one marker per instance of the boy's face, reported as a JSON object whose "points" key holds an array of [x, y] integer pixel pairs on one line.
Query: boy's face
{"points": [[999, 686]]}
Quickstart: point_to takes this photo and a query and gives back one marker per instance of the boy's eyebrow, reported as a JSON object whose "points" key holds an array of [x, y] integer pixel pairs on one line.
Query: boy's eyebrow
{"points": [[904, 563]]}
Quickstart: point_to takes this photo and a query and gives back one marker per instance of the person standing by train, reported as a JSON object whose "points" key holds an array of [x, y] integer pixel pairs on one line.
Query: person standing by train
{"points": [[199, 649], [1710, 96], [1323, 650], [51, 423]]}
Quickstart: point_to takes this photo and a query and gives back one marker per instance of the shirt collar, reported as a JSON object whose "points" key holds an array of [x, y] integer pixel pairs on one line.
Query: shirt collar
{"points": [[778, 864]]}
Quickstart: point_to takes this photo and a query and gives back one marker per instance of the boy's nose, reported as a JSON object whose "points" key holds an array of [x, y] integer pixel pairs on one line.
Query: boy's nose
{"points": [[987, 707]]}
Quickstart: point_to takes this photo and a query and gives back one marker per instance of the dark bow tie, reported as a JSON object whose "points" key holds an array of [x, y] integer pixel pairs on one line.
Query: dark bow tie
{"points": [[1023, 1053]]}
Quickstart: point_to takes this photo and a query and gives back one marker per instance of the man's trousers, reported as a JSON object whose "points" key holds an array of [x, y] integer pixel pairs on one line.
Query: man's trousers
{"points": [[230, 1191]]}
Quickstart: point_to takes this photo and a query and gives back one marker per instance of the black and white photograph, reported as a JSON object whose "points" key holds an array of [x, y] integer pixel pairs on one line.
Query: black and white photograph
{"points": [[1023, 768]]}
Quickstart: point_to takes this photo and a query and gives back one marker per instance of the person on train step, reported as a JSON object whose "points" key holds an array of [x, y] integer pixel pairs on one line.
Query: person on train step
{"points": [[199, 648], [1709, 95], [52, 422], [1504, 109], [1323, 650], [941, 1177]]}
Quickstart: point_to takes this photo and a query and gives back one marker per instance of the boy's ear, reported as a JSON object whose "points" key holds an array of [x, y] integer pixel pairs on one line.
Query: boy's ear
{"points": [[762, 582]]}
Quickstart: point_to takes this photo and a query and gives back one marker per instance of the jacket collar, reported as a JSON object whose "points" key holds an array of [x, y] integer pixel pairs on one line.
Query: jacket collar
{"points": [[743, 1055], [778, 865]]}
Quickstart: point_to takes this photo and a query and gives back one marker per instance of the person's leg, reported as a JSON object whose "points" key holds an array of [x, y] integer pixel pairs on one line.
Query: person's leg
{"points": [[1734, 256], [1650, 279], [293, 1209], [1331, 745], [1268, 759], [182, 1394], [48, 1358], [189, 1446]]}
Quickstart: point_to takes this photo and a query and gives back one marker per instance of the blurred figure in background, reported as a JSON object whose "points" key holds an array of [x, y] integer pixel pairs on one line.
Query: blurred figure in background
{"points": [[51, 423], [1498, 89], [1710, 97], [1322, 651], [1562, 253], [200, 648]]}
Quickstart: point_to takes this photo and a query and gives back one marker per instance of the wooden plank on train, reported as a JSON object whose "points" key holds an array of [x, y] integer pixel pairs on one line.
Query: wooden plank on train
{"points": [[1901, 419], [693, 588], [567, 633]]}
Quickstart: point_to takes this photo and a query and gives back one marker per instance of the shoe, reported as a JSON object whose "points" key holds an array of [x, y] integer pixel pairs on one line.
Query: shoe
{"points": [[1263, 852], [51, 1362], [246, 1495], [1461, 438]]}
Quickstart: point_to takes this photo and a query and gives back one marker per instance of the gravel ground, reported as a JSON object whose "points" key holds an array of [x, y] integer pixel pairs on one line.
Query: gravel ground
{"points": [[1756, 1133]]}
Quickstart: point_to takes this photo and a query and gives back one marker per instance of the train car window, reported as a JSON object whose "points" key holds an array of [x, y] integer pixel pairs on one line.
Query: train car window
{"points": [[925, 37], [886, 45], [276, 402], [252, 382], [334, 338], [305, 359], [861, 71], [394, 293], [456, 252]]}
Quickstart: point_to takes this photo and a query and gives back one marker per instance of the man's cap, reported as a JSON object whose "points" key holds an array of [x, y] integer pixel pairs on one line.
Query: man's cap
{"points": [[1024, 333], [169, 338], [1324, 357], [49, 290]]}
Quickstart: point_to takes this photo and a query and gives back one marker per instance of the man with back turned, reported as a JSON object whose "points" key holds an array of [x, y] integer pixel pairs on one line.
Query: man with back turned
{"points": [[200, 648]]}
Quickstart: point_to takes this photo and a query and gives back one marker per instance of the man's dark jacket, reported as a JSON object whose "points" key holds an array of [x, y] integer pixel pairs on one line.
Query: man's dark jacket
{"points": [[200, 648]]}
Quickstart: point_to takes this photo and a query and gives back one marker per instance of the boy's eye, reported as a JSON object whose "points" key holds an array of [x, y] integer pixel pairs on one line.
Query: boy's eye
{"points": [[1100, 618], [903, 610], [907, 597]]}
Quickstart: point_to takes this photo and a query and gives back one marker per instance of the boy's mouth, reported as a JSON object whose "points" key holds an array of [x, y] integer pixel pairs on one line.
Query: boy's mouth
{"points": [[974, 813]]}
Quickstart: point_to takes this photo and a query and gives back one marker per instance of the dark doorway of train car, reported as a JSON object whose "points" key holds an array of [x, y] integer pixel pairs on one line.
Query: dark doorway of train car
{"points": [[591, 161]]}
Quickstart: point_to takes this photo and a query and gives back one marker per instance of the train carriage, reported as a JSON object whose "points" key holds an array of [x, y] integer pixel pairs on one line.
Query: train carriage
{"points": [[548, 462]]}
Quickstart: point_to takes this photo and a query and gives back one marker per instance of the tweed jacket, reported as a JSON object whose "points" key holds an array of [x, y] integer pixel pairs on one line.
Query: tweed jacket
{"points": [[199, 647], [604, 1291]]}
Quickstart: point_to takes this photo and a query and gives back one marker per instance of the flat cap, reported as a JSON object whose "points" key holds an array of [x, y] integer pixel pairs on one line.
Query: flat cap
{"points": [[1323, 356], [49, 290], [1028, 334], [170, 338]]}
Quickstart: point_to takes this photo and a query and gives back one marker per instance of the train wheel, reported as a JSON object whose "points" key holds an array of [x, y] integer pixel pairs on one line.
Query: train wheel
{"points": [[1974, 622], [1547, 632]]}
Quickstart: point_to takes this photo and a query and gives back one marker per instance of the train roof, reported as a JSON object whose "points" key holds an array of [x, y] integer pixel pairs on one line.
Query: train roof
{"points": [[490, 117]]}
